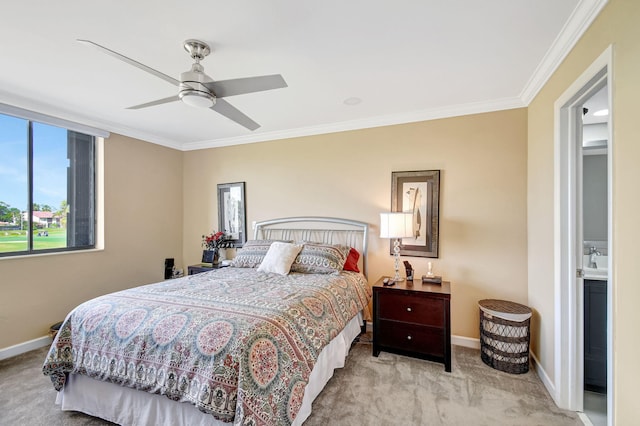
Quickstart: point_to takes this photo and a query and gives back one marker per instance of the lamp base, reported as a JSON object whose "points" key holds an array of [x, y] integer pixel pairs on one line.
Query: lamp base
{"points": [[396, 254]]}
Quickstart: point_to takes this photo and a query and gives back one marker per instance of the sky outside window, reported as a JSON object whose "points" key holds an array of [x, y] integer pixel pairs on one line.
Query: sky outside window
{"points": [[49, 160], [13, 161], [49, 165]]}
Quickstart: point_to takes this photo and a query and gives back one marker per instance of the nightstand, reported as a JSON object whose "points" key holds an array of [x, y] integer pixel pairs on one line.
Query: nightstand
{"points": [[413, 319], [203, 267]]}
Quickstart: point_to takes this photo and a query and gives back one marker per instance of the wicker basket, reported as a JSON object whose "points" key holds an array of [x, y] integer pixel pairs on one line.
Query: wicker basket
{"points": [[505, 335]]}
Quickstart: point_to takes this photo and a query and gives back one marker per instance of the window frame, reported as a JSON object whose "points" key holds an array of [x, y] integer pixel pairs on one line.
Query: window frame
{"points": [[97, 189]]}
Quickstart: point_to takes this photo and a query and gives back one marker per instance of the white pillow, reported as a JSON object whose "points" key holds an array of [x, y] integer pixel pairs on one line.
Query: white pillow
{"points": [[279, 258]]}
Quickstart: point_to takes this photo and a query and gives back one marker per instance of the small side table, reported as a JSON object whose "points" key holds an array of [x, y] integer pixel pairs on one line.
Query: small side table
{"points": [[203, 267], [414, 319]]}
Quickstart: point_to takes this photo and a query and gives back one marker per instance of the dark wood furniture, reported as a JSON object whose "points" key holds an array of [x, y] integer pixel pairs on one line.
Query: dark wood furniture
{"points": [[595, 335], [202, 267], [414, 319]]}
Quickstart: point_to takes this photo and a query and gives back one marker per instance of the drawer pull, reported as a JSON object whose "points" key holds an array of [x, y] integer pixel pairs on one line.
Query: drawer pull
{"points": [[409, 309], [408, 337]]}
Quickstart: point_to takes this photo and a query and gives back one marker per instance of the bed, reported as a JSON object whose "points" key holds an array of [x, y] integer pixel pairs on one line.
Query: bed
{"points": [[241, 345]]}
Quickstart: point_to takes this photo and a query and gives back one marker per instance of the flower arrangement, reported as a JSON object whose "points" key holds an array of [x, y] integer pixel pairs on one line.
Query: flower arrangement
{"points": [[216, 240]]}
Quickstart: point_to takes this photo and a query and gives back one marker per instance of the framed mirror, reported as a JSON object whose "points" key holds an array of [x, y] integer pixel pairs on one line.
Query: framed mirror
{"points": [[232, 212], [418, 193]]}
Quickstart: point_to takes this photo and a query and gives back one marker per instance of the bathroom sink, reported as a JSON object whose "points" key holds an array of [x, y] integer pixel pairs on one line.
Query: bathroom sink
{"points": [[601, 271], [595, 273]]}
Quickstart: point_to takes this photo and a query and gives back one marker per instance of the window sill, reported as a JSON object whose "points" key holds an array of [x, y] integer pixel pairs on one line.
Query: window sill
{"points": [[55, 253]]}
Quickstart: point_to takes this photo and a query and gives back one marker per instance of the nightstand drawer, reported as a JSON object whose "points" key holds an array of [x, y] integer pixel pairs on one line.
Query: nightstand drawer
{"points": [[411, 337], [413, 319], [411, 308]]}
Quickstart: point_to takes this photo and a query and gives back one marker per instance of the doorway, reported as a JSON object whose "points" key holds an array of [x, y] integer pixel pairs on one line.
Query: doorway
{"points": [[595, 237], [577, 251]]}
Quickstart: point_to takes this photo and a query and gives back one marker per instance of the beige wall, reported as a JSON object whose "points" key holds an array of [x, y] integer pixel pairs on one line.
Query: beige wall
{"points": [[143, 218], [617, 25], [482, 222], [483, 195]]}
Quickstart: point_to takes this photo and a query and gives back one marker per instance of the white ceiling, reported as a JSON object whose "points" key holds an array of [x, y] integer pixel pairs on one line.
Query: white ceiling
{"points": [[406, 60]]}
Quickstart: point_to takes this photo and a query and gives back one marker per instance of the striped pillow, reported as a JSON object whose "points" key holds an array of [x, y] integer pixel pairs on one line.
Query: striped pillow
{"points": [[316, 258], [252, 253]]}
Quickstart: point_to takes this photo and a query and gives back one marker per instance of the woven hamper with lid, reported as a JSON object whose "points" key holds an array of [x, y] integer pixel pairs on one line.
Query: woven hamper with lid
{"points": [[505, 335]]}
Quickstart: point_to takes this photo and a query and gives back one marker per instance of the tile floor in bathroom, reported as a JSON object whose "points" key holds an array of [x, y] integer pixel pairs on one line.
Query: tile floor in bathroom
{"points": [[595, 407]]}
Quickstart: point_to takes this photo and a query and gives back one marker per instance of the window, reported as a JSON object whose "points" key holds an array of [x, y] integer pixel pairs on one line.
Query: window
{"points": [[47, 187]]}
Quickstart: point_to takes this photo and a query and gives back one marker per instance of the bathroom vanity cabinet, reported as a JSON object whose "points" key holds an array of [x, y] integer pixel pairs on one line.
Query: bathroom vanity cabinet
{"points": [[595, 335]]}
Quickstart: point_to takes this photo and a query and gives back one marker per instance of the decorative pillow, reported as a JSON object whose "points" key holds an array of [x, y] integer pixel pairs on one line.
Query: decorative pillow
{"points": [[279, 258], [318, 258], [252, 253], [351, 264]]}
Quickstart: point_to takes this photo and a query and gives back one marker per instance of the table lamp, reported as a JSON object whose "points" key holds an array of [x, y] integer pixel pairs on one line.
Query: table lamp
{"points": [[396, 225]]}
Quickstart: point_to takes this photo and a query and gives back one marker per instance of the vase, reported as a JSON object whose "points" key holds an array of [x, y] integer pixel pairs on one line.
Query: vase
{"points": [[210, 256]]}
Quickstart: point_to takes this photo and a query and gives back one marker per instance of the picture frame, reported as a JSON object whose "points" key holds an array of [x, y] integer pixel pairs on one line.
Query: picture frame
{"points": [[232, 212], [207, 256], [418, 192]]}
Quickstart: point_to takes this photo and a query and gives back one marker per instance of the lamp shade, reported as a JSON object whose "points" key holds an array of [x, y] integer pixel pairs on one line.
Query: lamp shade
{"points": [[396, 225]]}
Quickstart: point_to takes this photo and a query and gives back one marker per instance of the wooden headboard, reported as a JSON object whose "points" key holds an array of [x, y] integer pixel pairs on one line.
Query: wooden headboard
{"points": [[327, 230]]}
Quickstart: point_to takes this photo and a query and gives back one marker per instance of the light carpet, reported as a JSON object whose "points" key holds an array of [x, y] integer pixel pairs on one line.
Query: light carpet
{"points": [[388, 390]]}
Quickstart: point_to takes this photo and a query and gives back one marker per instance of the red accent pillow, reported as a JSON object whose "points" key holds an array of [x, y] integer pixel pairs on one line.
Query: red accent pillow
{"points": [[351, 263]]}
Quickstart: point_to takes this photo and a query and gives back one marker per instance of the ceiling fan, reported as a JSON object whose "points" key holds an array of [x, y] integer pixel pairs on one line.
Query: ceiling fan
{"points": [[198, 89]]}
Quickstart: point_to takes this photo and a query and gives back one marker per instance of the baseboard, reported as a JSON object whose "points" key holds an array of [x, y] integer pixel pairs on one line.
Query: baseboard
{"points": [[467, 342], [546, 381], [21, 348], [585, 419]]}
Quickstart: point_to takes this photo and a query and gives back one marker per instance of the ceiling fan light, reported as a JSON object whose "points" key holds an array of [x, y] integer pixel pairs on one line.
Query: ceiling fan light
{"points": [[197, 99]]}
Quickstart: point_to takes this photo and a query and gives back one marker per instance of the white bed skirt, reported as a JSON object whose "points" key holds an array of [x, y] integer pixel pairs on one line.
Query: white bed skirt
{"points": [[126, 406]]}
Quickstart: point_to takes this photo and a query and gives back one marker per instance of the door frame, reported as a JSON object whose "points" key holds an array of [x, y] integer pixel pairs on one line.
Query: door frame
{"points": [[568, 292]]}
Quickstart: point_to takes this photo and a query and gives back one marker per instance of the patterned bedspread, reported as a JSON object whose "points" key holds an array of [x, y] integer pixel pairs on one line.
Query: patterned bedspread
{"points": [[236, 343]]}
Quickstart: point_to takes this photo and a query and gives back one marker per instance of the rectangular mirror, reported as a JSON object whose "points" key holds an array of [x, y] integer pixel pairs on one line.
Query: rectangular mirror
{"points": [[231, 212]]}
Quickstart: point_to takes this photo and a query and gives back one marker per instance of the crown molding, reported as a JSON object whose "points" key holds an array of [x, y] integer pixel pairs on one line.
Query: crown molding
{"points": [[144, 136], [63, 114], [581, 18], [367, 123]]}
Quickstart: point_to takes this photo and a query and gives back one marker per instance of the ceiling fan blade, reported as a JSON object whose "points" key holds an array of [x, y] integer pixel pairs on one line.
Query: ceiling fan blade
{"points": [[239, 86], [225, 108], [132, 62], [157, 102]]}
